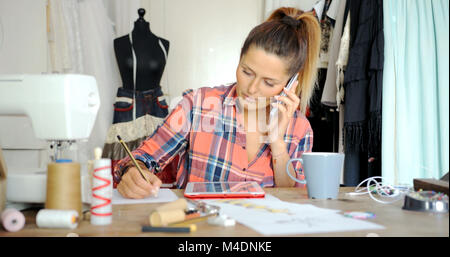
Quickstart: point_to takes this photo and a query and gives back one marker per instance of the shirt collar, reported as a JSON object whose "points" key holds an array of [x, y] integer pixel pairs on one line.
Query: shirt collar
{"points": [[229, 96]]}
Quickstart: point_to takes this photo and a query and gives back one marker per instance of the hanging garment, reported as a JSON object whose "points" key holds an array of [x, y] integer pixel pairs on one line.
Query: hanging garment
{"points": [[324, 120], [321, 10], [137, 114], [341, 63], [58, 43], [363, 85], [415, 90], [330, 88]]}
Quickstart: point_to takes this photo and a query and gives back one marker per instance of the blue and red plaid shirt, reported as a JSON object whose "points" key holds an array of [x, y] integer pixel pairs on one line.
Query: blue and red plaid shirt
{"points": [[205, 130]]}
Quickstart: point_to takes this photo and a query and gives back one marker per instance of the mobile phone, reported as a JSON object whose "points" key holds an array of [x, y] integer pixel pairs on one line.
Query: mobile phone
{"points": [[274, 110]]}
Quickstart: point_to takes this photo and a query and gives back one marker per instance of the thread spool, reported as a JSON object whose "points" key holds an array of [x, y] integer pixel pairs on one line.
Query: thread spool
{"points": [[163, 218], [12, 220], [180, 204], [64, 186], [101, 207], [47, 218], [97, 153]]}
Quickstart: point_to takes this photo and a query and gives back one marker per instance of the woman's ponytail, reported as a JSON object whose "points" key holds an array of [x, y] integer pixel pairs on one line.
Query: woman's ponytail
{"points": [[307, 74]]}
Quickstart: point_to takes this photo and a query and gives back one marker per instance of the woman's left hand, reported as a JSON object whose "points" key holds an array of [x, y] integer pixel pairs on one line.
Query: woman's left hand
{"points": [[286, 109]]}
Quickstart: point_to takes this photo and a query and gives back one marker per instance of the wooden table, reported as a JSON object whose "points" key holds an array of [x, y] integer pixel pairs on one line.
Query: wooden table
{"points": [[128, 219]]}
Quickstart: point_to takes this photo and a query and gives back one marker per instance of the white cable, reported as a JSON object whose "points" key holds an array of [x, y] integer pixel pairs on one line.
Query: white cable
{"points": [[387, 191]]}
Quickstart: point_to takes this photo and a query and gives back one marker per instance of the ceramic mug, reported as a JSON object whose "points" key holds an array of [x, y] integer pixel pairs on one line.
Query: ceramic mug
{"points": [[322, 172]]}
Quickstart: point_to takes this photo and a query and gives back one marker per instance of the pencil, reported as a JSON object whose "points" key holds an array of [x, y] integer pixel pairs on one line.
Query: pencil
{"points": [[132, 158], [189, 229]]}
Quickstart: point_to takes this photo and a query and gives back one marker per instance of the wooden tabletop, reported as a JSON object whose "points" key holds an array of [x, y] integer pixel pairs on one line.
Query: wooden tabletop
{"points": [[128, 220]]}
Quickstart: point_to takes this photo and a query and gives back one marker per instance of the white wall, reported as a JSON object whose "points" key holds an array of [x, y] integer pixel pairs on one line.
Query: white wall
{"points": [[271, 5], [23, 49], [205, 39], [23, 36]]}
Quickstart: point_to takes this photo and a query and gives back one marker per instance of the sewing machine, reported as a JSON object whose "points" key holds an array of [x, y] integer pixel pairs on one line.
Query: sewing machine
{"points": [[62, 109]]}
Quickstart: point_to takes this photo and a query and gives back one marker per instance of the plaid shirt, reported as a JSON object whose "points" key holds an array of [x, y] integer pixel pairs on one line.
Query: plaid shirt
{"points": [[205, 130]]}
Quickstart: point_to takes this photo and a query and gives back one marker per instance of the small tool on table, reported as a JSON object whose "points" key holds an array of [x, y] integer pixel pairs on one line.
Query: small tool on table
{"points": [[187, 229]]}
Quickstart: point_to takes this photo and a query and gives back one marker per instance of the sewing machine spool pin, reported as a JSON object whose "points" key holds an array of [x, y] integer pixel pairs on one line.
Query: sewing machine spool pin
{"points": [[57, 148]]}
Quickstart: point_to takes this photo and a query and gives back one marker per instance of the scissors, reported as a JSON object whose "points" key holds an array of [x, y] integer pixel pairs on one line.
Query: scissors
{"points": [[204, 207]]}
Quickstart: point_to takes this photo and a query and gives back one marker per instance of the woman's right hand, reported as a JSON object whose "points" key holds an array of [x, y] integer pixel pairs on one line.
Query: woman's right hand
{"points": [[133, 185]]}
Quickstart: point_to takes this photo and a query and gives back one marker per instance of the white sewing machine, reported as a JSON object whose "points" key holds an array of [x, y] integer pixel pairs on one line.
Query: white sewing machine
{"points": [[62, 109]]}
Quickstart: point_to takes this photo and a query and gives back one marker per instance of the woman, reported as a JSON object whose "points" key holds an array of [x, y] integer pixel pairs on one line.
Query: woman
{"points": [[224, 133]]}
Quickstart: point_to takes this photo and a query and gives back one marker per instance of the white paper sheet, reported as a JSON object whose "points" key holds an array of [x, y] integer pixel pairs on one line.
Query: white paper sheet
{"points": [[164, 195], [283, 218]]}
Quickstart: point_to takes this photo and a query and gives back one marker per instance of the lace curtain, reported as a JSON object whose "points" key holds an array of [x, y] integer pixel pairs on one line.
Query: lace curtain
{"points": [[81, 38]]}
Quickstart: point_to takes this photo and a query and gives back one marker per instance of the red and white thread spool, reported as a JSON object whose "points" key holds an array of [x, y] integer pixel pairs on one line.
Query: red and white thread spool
{"points": [[101, 207], [12, 220]]}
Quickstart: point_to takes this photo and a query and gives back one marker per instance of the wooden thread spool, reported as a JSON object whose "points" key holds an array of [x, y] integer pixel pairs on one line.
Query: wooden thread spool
{"points": [[163, 218], [64, 187], [180, 204]]}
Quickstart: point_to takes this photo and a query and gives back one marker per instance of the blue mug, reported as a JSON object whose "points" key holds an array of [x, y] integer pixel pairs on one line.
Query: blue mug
{"points": [[322, 172]]}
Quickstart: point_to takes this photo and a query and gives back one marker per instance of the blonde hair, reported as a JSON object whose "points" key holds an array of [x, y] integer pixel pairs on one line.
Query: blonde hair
{"points": [[276, 35]]}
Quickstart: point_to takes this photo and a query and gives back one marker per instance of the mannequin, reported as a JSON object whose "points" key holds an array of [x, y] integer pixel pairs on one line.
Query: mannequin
{"points": [[151, 58], [138, 109]]}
